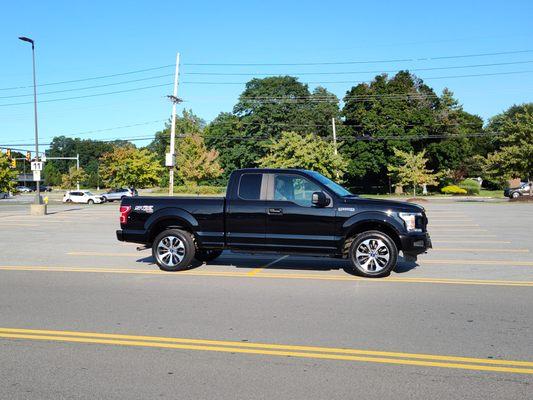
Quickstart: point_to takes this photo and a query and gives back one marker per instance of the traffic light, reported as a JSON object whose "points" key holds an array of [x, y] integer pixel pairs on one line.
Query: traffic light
{"points": [[13, 163], [28, 156], [8, 153]]}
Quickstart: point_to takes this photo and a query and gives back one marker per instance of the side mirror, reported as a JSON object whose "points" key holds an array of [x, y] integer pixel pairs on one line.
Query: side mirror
{"points": [[319, 199]]}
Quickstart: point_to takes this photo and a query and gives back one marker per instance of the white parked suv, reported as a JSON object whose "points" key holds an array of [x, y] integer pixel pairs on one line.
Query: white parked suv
{"points": [[119, 194], [82, 196]]}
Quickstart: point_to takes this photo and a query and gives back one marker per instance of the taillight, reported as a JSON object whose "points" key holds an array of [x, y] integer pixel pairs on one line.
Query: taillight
{"points": [[124, 212]]}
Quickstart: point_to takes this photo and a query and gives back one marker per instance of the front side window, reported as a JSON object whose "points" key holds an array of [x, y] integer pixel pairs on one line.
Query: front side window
{"points": [[294, 188], [250, 186]]}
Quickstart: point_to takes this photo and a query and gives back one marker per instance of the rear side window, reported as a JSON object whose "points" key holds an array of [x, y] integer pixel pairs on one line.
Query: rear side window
{"points": [[250, 186]]}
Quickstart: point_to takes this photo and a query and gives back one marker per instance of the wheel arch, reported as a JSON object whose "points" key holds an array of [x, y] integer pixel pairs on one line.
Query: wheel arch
{"points": [[170, 218], [374, 221]]}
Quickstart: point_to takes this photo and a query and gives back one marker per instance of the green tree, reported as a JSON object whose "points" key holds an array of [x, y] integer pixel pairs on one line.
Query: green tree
{"points": [[265, 109], [514, 158], [412, 170], [186, 124], [235, 144], [73, 177], [8, 176], [293, 150], [51, 174], [129, 166], [401, 112], [195, 162], [88, 150]]}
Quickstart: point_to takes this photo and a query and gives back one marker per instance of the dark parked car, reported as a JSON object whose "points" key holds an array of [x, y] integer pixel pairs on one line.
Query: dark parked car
{"points": [[45, 188], [522, 190], [280, 211]]}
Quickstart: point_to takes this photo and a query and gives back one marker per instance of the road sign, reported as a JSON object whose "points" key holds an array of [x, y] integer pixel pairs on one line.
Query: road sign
{"points": [[36, 176], [36, 166]]}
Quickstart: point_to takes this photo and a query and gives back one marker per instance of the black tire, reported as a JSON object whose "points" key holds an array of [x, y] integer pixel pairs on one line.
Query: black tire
{"points": [[90, 202], [183, 247], [207, 255], [382, 254], [515, 195], [68, 201]]}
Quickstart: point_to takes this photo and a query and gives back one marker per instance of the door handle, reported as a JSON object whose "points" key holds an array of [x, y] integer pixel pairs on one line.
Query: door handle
{"points": [[275, 211]]}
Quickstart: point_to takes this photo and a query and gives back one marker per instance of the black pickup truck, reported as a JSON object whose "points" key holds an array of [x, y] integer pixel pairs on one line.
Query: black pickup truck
{"points": [[277, 211]]}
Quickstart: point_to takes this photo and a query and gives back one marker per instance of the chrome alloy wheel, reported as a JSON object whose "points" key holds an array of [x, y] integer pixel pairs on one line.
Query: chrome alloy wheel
{"points": [[372, 255], [170, 251]]}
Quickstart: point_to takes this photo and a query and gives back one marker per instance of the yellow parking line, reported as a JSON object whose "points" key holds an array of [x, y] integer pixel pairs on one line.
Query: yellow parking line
{"points": [[466, 241], [16, 224], [100, 254], [457, 226], [478, 262], [485, 250], [257, 270], [313, 352], [299, 276]]}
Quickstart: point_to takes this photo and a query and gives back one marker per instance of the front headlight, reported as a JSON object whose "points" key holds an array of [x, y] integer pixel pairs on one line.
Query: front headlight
{"points": [[410, 221]]}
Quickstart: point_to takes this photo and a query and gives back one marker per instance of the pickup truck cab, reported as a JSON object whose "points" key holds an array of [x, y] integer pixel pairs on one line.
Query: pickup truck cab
{"points": [[277, 211]]}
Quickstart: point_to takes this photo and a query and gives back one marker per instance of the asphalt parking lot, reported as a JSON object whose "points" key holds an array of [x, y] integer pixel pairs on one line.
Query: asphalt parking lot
{"points": [[85, 316]]}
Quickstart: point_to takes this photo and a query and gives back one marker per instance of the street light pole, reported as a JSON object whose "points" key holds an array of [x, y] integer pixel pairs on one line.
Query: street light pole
{"points": [[38, 198]]}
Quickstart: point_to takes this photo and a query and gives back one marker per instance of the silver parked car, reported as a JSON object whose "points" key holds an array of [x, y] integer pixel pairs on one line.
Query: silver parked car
{"points": [[119, 194], [522, 190]]}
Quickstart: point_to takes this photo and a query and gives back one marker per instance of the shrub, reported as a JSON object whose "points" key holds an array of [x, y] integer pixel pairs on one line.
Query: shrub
{"points": [[471, 186], [453, 189], [183, 189]]}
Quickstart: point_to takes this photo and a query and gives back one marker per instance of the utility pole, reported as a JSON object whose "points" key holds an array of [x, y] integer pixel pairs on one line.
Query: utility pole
{"points": [[78, 170], [334, 140], [171, 155]]}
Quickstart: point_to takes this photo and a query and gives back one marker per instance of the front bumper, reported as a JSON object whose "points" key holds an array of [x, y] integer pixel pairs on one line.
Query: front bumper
{"points": [[416, 242]]}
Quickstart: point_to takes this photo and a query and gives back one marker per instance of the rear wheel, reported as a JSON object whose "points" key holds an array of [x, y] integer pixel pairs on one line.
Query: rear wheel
{"points": [[173, 250], [373, 254], [515, 195], [207, 255], [90, 202]]}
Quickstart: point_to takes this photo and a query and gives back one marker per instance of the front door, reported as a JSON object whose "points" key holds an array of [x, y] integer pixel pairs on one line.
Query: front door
{"points": [[293, 223]]}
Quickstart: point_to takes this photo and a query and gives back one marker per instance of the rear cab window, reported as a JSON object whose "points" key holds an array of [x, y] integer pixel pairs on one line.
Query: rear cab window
{"points": [[250, 186]]}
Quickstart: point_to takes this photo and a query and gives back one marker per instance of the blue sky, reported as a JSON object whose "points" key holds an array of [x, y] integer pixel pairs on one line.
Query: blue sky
{"points": [[78, 40]]}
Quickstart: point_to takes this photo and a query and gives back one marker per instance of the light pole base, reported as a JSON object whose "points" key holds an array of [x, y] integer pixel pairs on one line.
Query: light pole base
{"points": [[38, 209]]}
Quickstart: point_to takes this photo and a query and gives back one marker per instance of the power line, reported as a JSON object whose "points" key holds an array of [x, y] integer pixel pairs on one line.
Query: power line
{"points": [[86, 96], [90, 87], [91, 78], [413, 59], [356, 72], [70, 134], [357, 82], [343, 138], [362, 61]]}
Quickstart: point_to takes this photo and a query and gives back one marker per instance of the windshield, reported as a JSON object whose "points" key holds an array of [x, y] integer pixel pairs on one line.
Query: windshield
{"points": [[334, 187], [89, 194]]}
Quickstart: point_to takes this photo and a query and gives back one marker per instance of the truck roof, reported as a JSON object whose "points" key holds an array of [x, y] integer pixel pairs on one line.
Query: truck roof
{"points": [[272, 170]]}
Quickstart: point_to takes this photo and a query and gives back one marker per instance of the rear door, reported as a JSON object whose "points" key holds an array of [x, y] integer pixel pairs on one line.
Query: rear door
{"points": [[293, 223], [245, 212]]}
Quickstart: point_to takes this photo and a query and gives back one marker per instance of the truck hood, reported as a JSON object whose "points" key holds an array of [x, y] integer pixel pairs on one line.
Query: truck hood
{"points": [[382, 205]]}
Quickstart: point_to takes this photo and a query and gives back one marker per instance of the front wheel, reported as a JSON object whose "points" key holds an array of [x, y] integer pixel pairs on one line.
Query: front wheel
{"points": [[207, 255], [515, 195], [173, 250], [90, 202], [373, 254]]}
